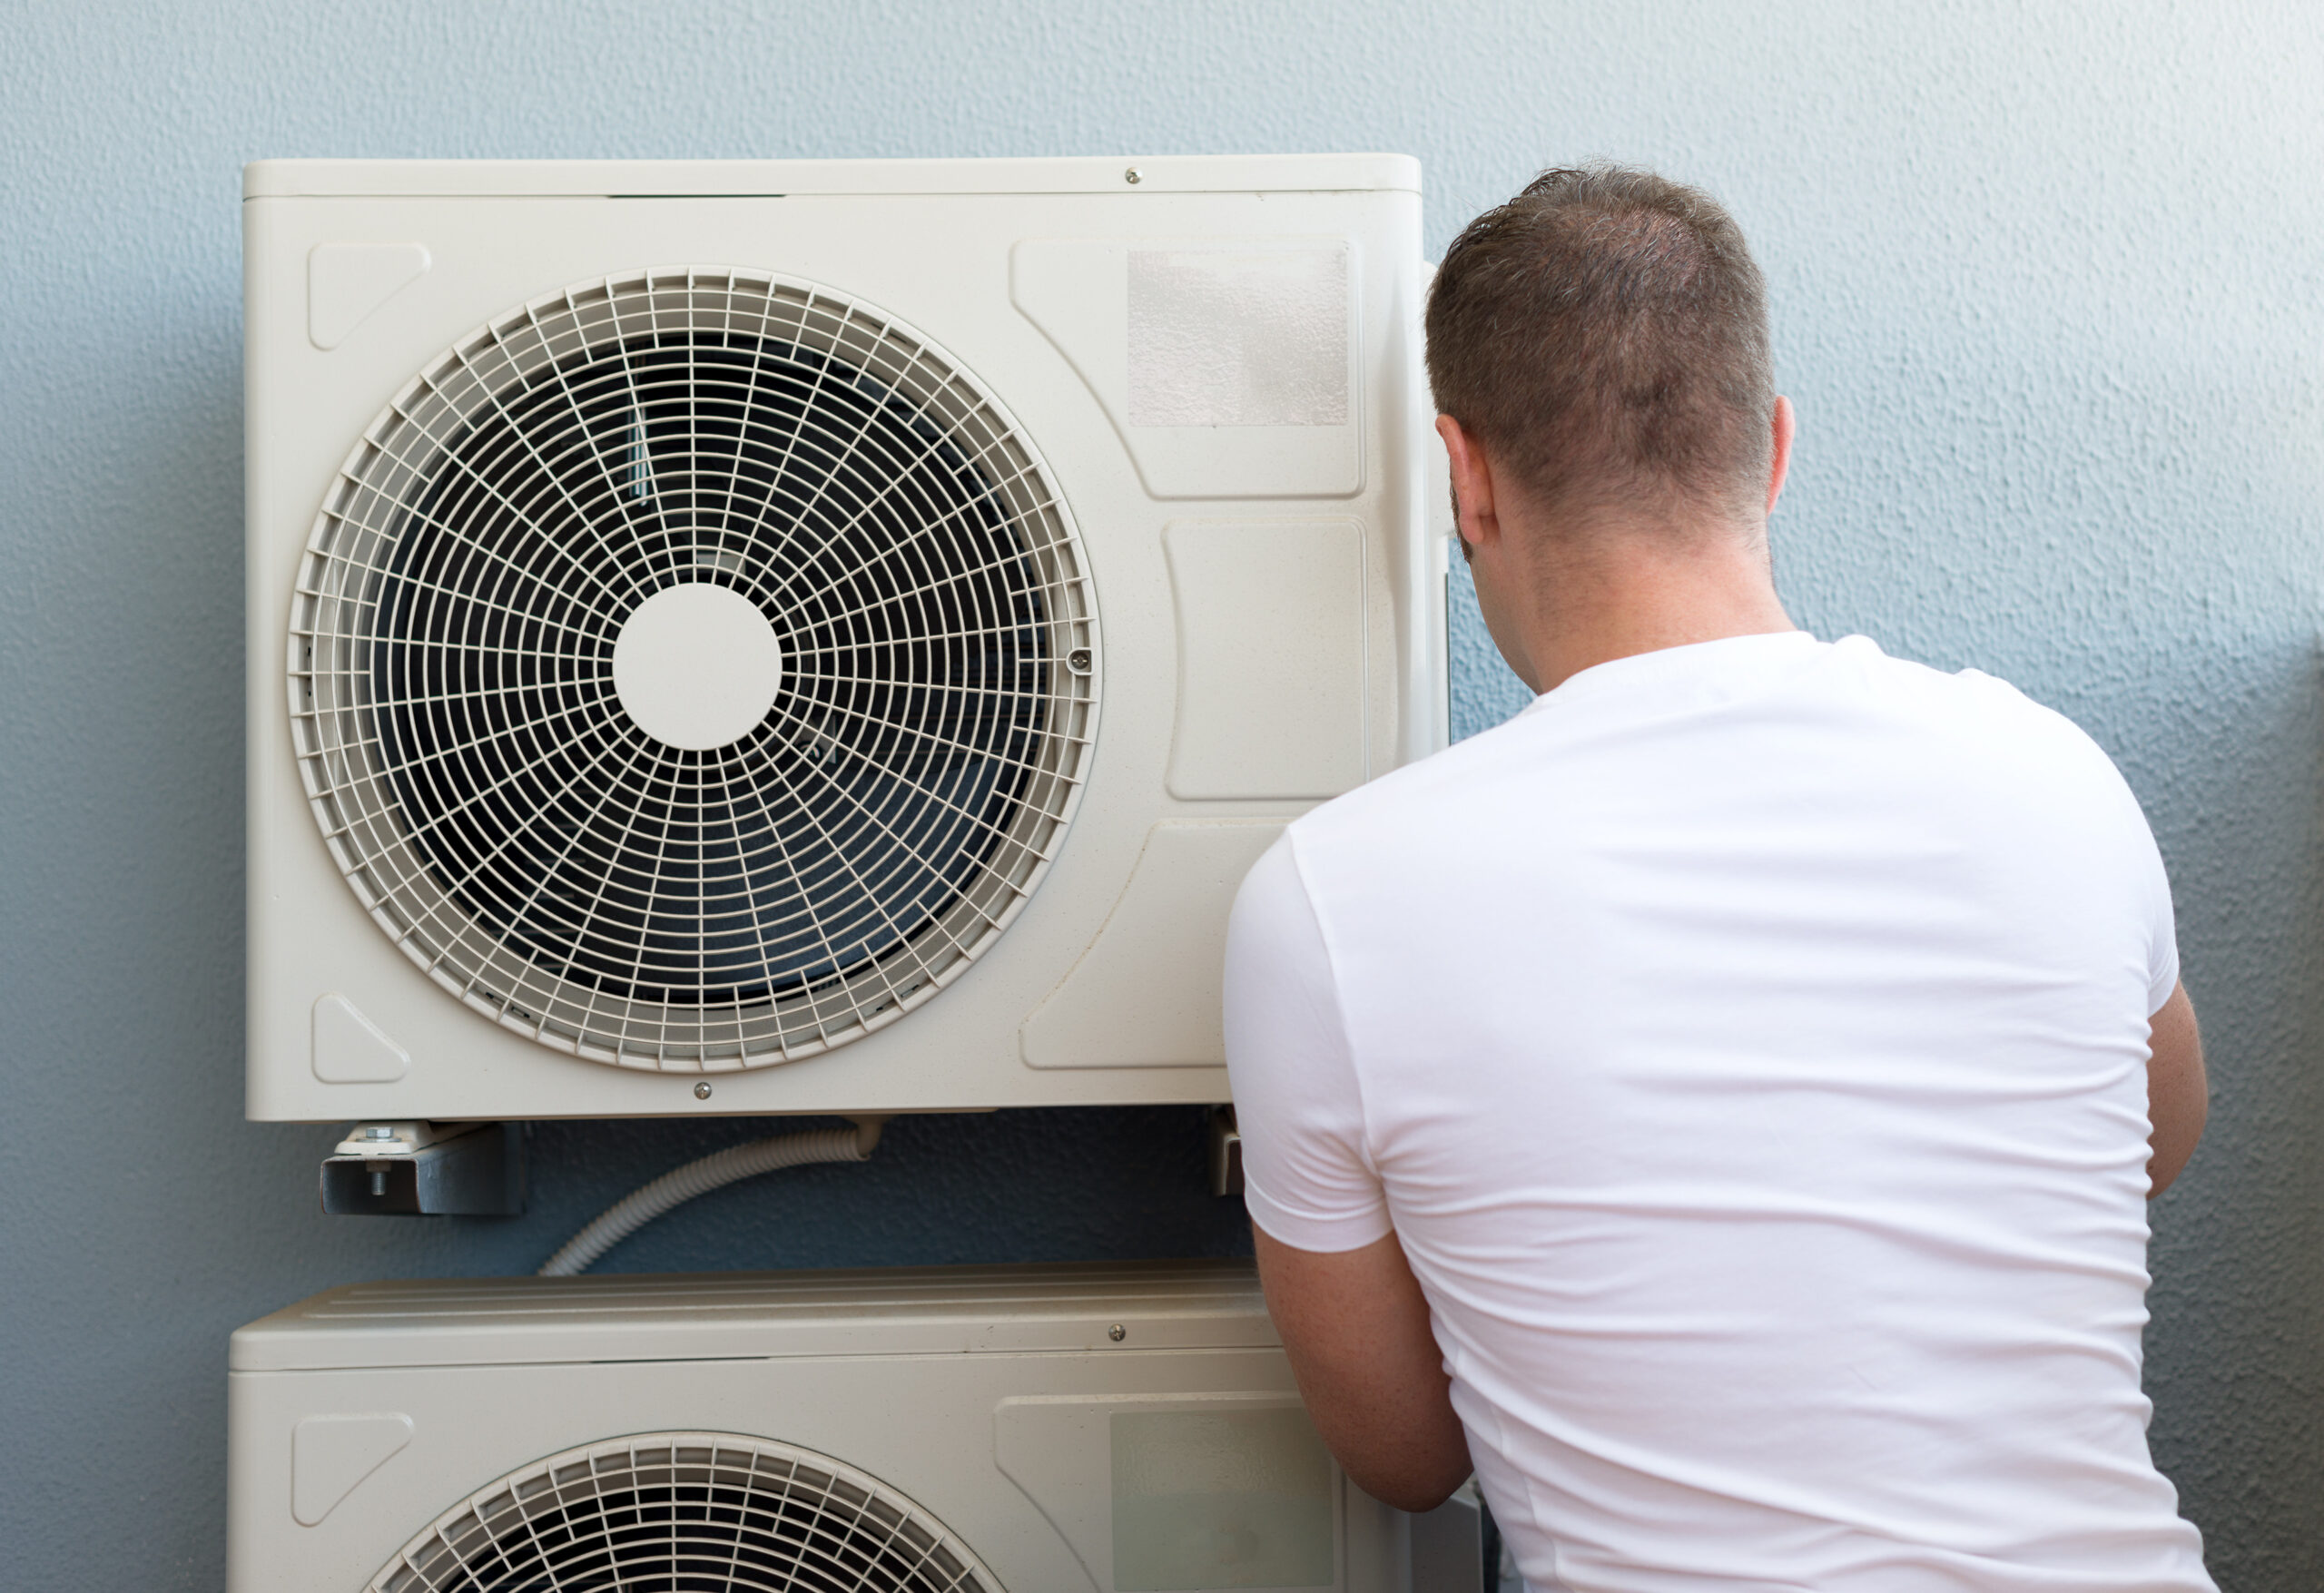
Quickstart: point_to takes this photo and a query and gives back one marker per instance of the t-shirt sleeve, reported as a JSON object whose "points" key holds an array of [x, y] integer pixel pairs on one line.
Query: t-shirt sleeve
{"points": [[2154, 895], [2151, 895], [2162, 933], [1307, 1178]]}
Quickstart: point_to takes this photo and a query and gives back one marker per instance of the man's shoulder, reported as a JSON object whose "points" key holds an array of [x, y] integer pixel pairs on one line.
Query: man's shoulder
{"points": [[1409, 803], [1544, 760], [1975, 705]]}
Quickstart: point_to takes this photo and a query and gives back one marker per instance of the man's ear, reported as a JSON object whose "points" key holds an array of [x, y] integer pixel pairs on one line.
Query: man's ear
{"points": [[1785, 425], [1472, 485]]}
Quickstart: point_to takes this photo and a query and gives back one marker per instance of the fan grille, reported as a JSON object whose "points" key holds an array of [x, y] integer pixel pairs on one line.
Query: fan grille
{"points": [[545, 856], [684, 1512]]}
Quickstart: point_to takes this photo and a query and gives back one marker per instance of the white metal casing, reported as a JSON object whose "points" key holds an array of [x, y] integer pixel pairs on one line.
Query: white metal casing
{"points": [[1104, 987], [986, 1396]]}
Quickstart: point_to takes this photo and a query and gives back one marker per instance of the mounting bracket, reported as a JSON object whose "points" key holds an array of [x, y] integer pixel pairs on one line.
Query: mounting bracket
{"points": [[427, 1169], [1226, 1153]]}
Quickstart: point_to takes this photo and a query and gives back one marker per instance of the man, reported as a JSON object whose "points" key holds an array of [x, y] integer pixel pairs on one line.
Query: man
{"points": [[1718, 1104]]}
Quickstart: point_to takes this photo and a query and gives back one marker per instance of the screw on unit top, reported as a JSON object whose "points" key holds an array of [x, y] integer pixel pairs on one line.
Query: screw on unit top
{"points": [[1133, 175], [1118, 1332]]}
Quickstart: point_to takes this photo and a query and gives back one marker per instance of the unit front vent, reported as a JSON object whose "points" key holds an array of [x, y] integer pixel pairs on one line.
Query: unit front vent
{"points": [[693, 670], [686, 1512]]}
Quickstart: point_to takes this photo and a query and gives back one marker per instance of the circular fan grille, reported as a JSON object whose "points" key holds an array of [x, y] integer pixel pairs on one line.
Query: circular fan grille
{"points": [[567, 846], [684, 1512]]}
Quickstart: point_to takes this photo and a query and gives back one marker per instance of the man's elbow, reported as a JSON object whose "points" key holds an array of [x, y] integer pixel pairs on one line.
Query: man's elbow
{"points": [[1418, 1488], [2177, 1090]]}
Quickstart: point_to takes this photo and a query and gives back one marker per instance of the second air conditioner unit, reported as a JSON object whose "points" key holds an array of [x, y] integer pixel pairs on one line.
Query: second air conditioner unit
{"points": [[1031, 1429]]}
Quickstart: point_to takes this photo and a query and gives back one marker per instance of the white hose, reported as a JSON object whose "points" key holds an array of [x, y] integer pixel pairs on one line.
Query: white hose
{"points": [[674, 1189]]}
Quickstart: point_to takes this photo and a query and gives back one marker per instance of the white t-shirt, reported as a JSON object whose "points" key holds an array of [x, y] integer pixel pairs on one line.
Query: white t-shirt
{"points": [[1747, 1044]]}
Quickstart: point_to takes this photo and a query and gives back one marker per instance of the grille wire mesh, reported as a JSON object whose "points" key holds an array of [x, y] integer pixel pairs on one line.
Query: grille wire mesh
{"points": [[686, 1512], [541, 855]]}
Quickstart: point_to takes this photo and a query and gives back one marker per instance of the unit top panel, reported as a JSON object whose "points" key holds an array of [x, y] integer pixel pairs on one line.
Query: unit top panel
{"points": [[735, 178], [918, 1311]]}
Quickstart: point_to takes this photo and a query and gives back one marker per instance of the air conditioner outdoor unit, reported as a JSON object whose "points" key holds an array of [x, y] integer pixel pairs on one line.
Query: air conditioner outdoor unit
{"points": [[793, 637], [1050, 1430]]}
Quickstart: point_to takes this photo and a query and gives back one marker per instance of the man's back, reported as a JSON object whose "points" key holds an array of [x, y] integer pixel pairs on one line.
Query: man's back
{"points": [[1749, 1044]]}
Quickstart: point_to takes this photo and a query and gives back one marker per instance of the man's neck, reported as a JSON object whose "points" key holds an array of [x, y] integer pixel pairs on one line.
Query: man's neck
{"points": [[1605, 593]]}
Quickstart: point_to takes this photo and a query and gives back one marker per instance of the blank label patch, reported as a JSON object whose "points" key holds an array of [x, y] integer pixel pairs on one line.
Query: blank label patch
{"points": [[1238, 338]]}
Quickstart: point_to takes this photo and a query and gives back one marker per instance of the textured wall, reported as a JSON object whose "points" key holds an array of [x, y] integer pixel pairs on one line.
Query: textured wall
{"points": [[2047, 293]]}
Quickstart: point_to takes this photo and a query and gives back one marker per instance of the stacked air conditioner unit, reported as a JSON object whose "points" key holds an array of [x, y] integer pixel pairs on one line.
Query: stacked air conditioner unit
{"points": [[801, 637], [968, 1431]]}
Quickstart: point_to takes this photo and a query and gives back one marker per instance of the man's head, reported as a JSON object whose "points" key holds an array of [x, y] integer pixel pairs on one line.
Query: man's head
{"points": [[1603, 336], [1599, 349]]}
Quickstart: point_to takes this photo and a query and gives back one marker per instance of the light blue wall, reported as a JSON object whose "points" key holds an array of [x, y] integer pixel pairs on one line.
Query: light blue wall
{"points": [[2049, 294]]}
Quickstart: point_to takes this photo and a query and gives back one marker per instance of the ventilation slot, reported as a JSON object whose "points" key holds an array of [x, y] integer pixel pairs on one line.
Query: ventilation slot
{"points": [[685, 1513]]}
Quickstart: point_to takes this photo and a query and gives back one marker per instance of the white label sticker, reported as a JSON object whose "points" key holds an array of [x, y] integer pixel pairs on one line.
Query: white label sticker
{"points": [[1238, 337]]}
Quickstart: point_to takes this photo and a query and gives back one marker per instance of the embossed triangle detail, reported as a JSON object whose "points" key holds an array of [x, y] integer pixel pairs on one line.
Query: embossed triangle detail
{"points": [[329, 1455], [347, 282]]}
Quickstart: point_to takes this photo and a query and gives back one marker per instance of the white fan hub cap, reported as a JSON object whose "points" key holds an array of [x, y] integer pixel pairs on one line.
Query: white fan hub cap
{"points": [[697, 666]]}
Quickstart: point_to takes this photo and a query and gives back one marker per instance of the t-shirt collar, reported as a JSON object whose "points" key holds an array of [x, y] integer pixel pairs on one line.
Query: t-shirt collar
{"points": [[1730, 659]]}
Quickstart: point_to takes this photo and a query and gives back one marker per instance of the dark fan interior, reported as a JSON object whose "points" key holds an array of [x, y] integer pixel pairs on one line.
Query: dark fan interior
{"points": [[729, 1529], [917, 670]]}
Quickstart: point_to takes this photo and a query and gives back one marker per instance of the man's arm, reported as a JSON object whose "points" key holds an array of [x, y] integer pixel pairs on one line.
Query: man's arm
{"points": [[2178, 1094], [1350, 1312], [1356, 1326]]}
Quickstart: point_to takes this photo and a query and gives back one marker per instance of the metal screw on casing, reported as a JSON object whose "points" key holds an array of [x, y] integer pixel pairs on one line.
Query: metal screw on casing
{"points": [[1133, 175], [1118, 1332], [701, 1091], [1078, 660]]}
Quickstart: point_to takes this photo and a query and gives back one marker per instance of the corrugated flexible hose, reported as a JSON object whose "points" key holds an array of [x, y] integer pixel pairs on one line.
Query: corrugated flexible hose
{"points": [[675, 1188]]}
